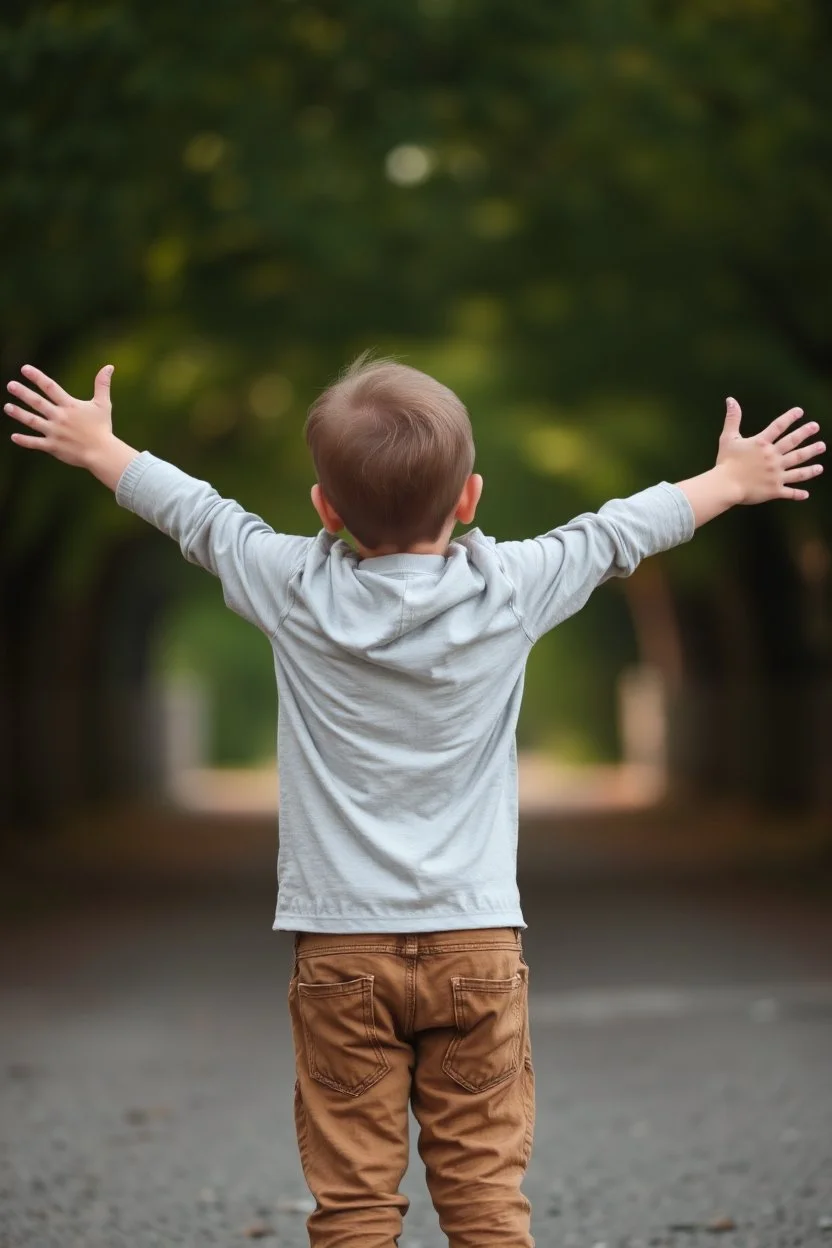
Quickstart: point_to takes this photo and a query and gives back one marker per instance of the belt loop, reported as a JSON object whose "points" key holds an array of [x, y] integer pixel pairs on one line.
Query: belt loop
{"points": [[295, 948]]}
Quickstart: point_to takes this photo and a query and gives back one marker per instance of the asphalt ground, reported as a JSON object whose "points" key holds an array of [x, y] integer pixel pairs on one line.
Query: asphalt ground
{"points": [[682, 1035]]}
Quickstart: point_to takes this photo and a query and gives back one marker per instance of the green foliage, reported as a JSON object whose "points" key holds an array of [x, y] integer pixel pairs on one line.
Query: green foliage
{"points": [[233, 665], [594, 219], [570, 700]]}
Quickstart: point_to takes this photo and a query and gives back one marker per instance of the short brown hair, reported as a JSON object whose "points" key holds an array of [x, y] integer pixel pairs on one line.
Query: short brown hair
{"points": [[392, 448]]}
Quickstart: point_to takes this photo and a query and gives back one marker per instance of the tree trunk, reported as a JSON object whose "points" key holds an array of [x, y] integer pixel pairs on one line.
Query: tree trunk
{"points": [[31, 636], [79, 715], [124, 746]]}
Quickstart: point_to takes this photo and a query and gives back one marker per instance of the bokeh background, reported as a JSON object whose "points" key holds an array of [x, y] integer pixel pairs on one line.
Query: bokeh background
{"points": [[594, 220]]}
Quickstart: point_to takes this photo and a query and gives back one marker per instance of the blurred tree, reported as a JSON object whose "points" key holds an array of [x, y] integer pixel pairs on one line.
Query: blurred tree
{"points": [[594, 219], [232, 668]]}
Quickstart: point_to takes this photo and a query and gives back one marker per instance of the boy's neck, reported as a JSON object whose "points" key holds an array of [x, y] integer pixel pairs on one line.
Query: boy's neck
{"points": [[439, 546], [419, 548]]}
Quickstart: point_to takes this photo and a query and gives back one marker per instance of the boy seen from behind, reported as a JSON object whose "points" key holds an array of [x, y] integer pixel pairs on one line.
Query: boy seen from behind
{"points": [[399, 666]]}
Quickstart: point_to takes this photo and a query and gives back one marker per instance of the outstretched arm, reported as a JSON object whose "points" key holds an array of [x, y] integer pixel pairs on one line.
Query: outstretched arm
{"points": [[254, 564], [759, 469], [553, 575]]}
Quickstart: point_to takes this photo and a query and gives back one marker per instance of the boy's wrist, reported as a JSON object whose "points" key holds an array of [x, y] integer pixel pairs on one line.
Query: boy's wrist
{"points": [[713, 492], [107, 459], [728, 485]]}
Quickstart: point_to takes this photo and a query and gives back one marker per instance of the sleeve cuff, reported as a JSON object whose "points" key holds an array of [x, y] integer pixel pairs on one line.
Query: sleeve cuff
{"points": [[131, 477], [684, 511]]}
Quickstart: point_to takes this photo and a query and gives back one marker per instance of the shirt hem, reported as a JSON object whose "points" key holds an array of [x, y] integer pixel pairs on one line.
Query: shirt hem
{"points": [[332, 925]]}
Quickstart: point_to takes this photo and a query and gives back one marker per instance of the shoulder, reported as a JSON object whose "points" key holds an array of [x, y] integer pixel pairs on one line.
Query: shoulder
{"points": [[482, 552], [473, 543], [329, 554]]}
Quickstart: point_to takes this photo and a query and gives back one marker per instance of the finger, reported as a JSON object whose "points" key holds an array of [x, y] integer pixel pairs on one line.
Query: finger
{"points": [[797, 495], [26, 418], [797, 436], [802, 454], [49, 387], [31, 444], [102, 385], [781, 424], [802, 474], [35, 400], [733, 416]]}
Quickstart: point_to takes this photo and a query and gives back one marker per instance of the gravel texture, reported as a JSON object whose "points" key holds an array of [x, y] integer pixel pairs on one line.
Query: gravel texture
{"points": [[682, 1040]]}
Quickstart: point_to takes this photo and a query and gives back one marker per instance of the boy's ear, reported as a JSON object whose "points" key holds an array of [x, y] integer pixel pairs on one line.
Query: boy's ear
{"points": [[469, 498], [330, 519]]}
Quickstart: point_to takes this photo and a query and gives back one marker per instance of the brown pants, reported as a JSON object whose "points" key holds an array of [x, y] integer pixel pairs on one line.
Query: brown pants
{"points": [[438, 1021]]}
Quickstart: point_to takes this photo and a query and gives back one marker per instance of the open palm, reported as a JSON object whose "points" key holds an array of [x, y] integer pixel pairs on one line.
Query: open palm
{"points": [[772, 463]]}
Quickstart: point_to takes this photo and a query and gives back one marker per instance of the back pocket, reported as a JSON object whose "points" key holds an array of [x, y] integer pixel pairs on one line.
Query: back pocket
{"points": [[489, 1021], [342, 1048]]}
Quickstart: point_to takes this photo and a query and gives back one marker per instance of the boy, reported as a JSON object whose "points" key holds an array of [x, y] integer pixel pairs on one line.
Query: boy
{"points": [[400, 669]]}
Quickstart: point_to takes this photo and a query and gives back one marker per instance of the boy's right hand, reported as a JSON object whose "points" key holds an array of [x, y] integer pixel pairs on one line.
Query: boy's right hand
{"points": [[75, 431]]}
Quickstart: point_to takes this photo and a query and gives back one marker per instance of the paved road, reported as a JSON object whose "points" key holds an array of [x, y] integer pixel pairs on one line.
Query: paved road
{"points": [[683, 1047]]}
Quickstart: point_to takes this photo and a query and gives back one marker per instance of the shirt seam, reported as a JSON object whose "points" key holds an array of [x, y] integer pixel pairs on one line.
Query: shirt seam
{"points": [[404, 600], [291, 598], [512, 602], [400, 575]]}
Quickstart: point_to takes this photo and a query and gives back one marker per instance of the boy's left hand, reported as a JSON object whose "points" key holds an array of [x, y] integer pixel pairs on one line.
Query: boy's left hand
{"points": [[770, 464]]}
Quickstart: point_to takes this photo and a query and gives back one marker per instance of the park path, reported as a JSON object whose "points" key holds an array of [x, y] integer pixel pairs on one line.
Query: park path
{"points": [[683, 1049]]}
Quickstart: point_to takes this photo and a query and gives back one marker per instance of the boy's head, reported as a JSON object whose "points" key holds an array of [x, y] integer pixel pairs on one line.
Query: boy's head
{"points": [[393, 451]]}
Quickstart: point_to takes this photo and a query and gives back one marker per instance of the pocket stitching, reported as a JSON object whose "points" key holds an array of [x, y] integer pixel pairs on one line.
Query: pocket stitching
{"points": [[337, 988], [364, 986], [460, 985]]}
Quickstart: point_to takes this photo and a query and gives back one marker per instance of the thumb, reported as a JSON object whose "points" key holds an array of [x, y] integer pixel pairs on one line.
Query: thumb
{"points": [[733, 416], [102, 385]]}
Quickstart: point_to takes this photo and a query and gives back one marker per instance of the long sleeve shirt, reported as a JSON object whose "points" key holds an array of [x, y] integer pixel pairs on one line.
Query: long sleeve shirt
{"points": [[399, 683]]}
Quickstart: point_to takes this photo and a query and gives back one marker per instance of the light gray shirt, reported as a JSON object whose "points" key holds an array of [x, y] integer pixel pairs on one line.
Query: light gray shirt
{"points": [[399, 680]]}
